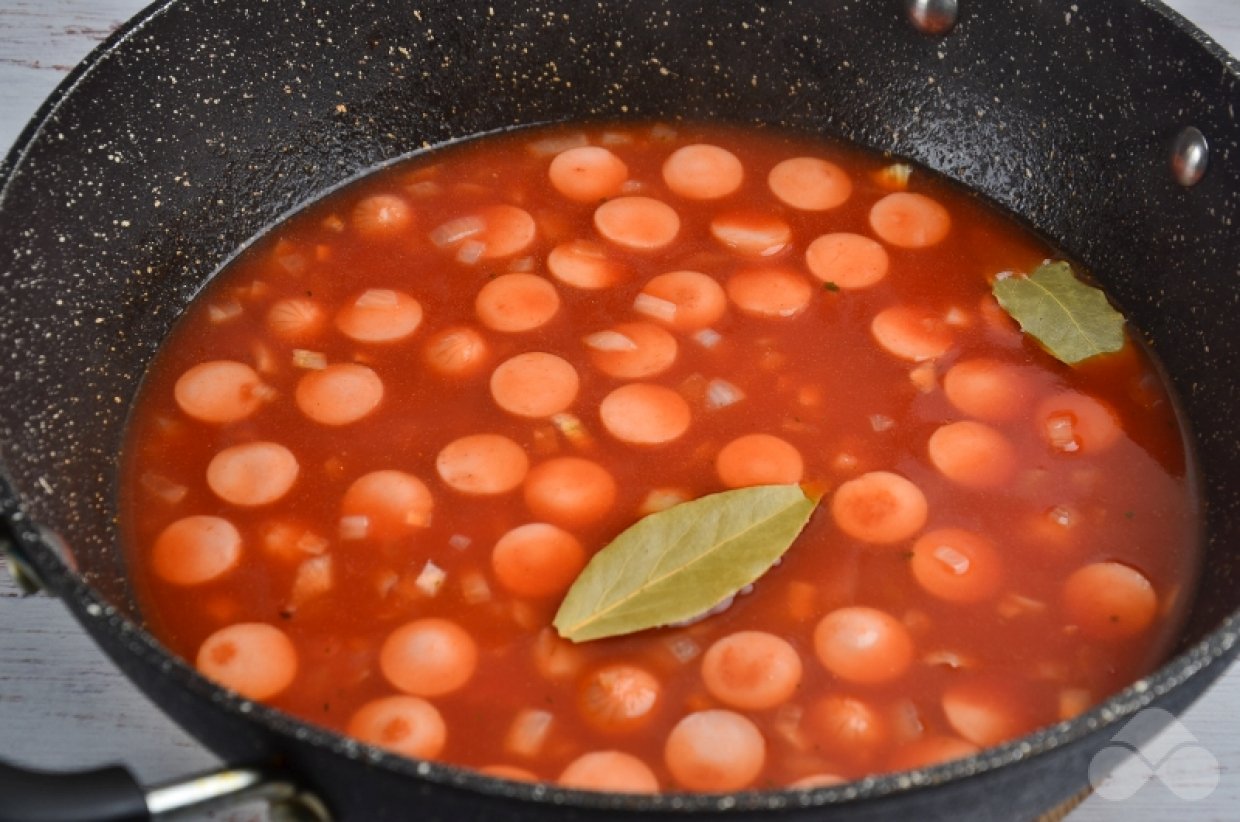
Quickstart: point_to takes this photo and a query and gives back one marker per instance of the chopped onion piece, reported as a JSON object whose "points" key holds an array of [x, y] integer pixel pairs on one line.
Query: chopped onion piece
{"points": [[721, 394], [312, 360], [475, 589], [772, 360], [609, 341], [550, 146], [1063, 516], [168, 425], [424, 188], [471, 251], [707, 337], [460, 542], [385, 581], [545, 442], [1048, 670], [1074, 702], [615, 138], [431, 579], [788, 725], [312, 543], [956, 316], [1014, 605], [881, 422], [923, 377], [946, 659], [917, 620], [313, 577], [453, 231], [527, 617], [1061, 431], [717, 608], [809, 396], [845, 461], [660, 499], [223, 312], [265, 392], [662, 132], [655, 307], [906, 721], [264, 360], [377, 298], [894, 177], [557, 659], [291, 261], [354, 526], [955, 561], [528, 732], [684, 648], [163, 488], [572, 429], [333, 223]]}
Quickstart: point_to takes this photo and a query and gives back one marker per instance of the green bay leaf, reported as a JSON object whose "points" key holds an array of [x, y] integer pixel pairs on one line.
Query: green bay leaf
{"points": [[1072, 320], [680, 562]]}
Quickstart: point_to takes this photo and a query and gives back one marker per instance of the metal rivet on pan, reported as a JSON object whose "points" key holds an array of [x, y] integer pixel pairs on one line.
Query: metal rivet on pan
{"points": [[1190, 154], [933, 16]]}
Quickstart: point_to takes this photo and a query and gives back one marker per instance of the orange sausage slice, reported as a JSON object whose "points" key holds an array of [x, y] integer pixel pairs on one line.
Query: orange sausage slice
{"points": [[645, 414], [847, 260], [703, 172], [535, 384], [587, 173], [637, 223], [339, 394], [252, 474], [196, 549], [909, 220], [879, 507], [715, 750], [254, 659], [516, 302], [809, 183], [219, 391], [428, 657], [482, 464]]}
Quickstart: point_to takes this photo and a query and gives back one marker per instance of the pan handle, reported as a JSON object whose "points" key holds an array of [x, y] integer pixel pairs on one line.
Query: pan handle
{"points": [[21, 569], [112, 794]]}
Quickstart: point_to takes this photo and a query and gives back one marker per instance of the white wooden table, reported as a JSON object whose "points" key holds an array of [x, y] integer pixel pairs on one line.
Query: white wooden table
{"points": [[64, 706]]}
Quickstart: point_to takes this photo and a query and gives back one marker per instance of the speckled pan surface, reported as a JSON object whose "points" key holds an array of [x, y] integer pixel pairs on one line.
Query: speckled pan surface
{"points": [[202, 122]]}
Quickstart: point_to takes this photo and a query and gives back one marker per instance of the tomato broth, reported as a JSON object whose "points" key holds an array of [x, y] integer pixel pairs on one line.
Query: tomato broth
{"points": [[380, 446]]}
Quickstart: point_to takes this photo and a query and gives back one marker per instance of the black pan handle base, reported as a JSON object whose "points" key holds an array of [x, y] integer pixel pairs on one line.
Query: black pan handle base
{"points": [[105, 795], [113, 795]]}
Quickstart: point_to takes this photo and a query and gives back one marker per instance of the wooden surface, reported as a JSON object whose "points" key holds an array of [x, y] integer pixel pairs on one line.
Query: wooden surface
{"points": [[62, 705]]}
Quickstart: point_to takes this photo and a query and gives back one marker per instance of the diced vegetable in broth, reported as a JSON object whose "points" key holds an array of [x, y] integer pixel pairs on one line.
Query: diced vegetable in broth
{"points": [[375, 457]]}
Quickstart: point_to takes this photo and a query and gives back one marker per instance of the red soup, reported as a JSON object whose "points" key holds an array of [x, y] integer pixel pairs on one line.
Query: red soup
{"points": [[382, 445]]}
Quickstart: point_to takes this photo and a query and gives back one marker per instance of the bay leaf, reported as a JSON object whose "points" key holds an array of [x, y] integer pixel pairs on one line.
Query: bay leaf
{"points": [[680, 562], [1072, 320]]}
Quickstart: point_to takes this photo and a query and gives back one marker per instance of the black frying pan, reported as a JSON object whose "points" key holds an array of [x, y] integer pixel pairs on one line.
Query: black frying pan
{"points": [[201, 122]]}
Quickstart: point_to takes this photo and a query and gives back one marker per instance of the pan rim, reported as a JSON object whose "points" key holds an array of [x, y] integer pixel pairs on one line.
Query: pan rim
{"points": [[1205, 658]]}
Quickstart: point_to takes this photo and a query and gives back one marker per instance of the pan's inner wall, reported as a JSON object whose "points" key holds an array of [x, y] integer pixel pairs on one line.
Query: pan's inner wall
{"points": [[213, 119]]}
